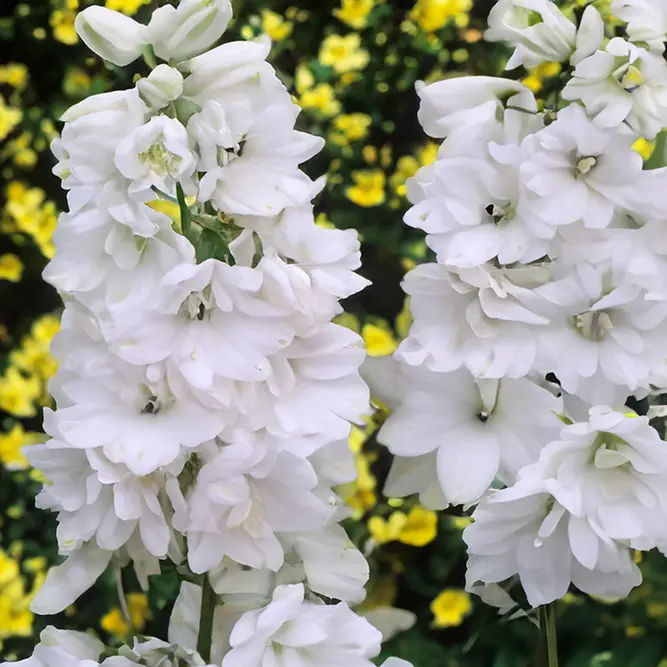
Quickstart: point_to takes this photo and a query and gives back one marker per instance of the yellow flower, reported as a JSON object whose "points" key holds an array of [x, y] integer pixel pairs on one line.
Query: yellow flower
{"points": [[360, 494], [634, 631], [114, 622], [656, 609], [420, 528], [9, 568], [129, 7], [537, 75], [62, 22], [303, 79], [427, 153], [368, 188], [323, 221], [10, 117], [321, 98], [354, 12], [379, 340], [10, 447], [450, 608], [275, 26], [354, 126], [14, 74], [644, 148], [76, 81], [18, 394], [432, 15], [386, 530], [15, 615], [356, 440], [35, 564], [406, 167], [45, 328], [370, 154], [344, 54], [11, 268]]}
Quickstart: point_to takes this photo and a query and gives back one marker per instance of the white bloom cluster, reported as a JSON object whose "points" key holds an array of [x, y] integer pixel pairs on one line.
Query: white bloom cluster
{"points": [[204, 397], [543, 311]]}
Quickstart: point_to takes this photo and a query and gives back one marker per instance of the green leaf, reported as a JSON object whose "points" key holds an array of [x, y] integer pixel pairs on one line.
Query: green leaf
{"points": [[186, 214], [210, 245]]}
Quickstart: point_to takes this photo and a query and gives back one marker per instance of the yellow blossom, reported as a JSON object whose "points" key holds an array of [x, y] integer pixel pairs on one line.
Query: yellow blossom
{"points": [[62, 22], [644, 148], [76, 81], [368, 189], [11, 268], [379, 340], [356, 440], [432, 15], [354, 12], [353, 126], [420, 527], [15, 615], [303, 79], [18, 394], [321, 98], [386, 530], [128, 7], [427, 153], [275, 26], [115, 623], [370, 154], [450, 608], [537, 75], [406, 167], [344, 54], [360, 494], [11, 443], [634, 631], [10, 117], [9, 568], [35, 564], [656, 609], [14, 74]]}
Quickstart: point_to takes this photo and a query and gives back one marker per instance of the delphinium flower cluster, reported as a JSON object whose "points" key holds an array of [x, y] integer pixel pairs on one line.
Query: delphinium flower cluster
{"points": [[542, 322], [203, 395]]}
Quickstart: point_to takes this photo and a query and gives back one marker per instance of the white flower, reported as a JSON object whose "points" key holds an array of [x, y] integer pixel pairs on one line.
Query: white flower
{"points": [[523, 530], [293, 631], [611, 469], [137, 422], [622, 84], [156, 154], [573, 168], [467, 103], [480, 429], [536, 28], [111, 35], [235, 70], [163, 85], [62, 647], [472, 210], [93, 130], [481, 318], [261, 176], [646, 19], [605, 335], [590, 34], [189, 29], [243, 498]]}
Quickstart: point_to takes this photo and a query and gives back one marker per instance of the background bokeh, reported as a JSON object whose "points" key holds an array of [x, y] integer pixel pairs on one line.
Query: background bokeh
{"points": [[352, 65]]}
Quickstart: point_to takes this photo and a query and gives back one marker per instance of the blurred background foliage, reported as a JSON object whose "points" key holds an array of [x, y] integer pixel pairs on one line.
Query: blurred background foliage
{"points": [[352, 65]]}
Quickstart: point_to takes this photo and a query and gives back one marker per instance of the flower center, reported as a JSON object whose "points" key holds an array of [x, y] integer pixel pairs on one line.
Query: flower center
{"points": [[585, 164], [159, 159], [593, 325], [499, 213]]}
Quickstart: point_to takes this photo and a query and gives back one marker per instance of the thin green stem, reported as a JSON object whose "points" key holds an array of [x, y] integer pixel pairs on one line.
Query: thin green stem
{"points": [[209, 601], [548, 628]]}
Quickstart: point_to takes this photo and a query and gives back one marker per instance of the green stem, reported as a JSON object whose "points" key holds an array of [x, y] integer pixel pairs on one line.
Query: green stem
{"points": [[548, 628], [209, 601]]}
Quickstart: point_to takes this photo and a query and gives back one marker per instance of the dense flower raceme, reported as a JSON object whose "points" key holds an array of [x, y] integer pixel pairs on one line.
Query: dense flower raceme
{"points": [[542, 312], [204, 397]]}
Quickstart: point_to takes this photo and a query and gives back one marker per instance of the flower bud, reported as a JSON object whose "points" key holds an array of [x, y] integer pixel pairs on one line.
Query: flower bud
{"points": [[163, 85], [111, 35], [179, 34]]}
